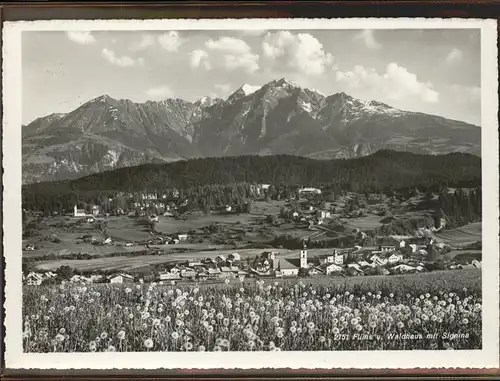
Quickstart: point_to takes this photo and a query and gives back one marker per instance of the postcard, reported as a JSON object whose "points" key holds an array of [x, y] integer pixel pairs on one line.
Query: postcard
{"points": [[297, 193]]}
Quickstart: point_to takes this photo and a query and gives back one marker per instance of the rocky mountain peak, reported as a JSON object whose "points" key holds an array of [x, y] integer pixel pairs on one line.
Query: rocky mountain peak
{"points": [[277, 118]]}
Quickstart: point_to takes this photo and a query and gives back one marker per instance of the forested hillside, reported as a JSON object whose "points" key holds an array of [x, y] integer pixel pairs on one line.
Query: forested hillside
{"points": [[214, 181]]}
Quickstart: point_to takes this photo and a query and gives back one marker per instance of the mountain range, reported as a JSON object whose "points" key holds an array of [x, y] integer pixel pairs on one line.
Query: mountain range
{"points": [[277, 118]]}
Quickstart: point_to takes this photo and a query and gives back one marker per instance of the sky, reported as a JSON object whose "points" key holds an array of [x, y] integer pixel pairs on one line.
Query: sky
{"points": [[431, 71]]}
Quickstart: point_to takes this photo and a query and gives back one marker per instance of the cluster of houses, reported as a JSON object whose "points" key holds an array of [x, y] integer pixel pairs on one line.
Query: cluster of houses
{"points": [[220, 267], [386, 259]]}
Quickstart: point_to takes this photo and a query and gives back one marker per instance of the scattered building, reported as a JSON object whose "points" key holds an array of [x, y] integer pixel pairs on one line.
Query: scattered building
{"points": [[78, 212]]}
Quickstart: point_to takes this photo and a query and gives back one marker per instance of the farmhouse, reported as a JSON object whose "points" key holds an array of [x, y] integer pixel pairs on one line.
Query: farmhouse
{"points": [[182, 237]]}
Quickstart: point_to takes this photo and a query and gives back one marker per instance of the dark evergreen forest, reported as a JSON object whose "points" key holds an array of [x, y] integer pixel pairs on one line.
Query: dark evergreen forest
{"points": [[212, 182]]}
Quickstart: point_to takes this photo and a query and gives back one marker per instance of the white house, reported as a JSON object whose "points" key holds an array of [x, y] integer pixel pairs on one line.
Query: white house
{"points": [[79, 212], [34, 279], [332, 268], [387, 248], [395, 258], [228, 208], [476, 263], [122, 278], [107, 240], [182, 237], [170, 276], [322, 214], [336, 258], [310, 190], [414, 247]]}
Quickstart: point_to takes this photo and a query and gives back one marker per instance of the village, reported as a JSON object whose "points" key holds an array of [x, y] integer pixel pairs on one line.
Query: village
{"points": [[396, 256], [319, 221]]}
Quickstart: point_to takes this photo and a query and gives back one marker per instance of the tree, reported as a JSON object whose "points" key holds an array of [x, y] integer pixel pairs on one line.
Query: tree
{"points": [[303, 272], [65, 272], [25, 219], [432, 253], [248, 206]]}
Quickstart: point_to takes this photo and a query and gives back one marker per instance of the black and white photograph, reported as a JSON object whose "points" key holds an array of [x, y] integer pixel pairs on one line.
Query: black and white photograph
{"points": [[305, 187]]}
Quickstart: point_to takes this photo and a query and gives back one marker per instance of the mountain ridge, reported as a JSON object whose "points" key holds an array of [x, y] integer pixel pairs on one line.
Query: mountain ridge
{"points": [[276, 118]]}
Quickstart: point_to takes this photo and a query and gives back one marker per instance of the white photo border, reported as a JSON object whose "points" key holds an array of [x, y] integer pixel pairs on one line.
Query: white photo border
{"points": [[487, 357]]}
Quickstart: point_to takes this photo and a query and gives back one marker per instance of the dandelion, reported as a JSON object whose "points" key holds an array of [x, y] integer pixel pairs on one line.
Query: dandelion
{"points": [[121, 335], [59, 338], [104, 335], [148, 343], [175, 335], [201, 348]]}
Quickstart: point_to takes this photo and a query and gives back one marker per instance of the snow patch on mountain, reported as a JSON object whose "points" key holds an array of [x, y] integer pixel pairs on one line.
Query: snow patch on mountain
{"points": [[249, 89], [306, 106], [318, 92]]}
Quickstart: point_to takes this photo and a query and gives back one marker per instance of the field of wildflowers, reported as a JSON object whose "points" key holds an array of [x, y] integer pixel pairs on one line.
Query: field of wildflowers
{"points": [[258, 316]]}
